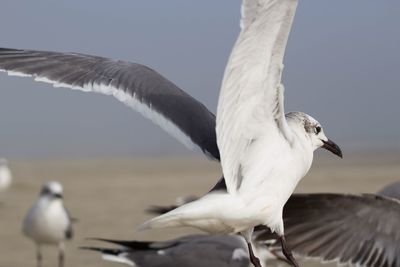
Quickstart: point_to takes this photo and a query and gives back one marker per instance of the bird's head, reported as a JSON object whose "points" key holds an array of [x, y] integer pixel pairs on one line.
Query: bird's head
{"points": [[52, 190], [313, 132]]}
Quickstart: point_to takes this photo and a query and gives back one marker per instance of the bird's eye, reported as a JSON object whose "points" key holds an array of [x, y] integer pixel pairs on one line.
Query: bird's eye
{"points": [[317, 129]]}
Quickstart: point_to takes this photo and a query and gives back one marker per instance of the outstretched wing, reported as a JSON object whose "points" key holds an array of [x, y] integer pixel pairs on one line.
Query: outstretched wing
{"points": [[138, 86], [360, 230], [251, 95]]}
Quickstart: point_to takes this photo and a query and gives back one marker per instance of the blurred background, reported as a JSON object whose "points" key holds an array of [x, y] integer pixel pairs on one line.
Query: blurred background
{"points": [[341, 66]]}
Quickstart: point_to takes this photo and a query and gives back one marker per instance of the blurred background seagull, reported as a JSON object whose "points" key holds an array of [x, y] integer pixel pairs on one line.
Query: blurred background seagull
{"points": [[264, 153], [48, 222], [5, 175]]}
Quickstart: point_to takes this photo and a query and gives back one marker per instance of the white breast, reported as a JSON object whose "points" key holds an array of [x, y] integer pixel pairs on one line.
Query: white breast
{"points": [[46, 222], [5, 178]]}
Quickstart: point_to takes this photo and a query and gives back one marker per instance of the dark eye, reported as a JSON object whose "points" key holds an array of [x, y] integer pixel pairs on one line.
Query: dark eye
{"points": [[317, 129]]}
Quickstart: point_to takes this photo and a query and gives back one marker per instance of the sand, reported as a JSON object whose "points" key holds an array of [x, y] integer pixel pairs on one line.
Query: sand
{"points": [[109, 196]]}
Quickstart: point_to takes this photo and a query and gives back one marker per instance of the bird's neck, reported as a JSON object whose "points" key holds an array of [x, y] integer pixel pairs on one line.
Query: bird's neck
{"points": [[303, 147]]}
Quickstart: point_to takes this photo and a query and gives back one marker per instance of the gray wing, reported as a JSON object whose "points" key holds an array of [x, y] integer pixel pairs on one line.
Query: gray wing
{"points": [[138, 86], [361, 230], [391, 190], [193, 250], [69, 232]]}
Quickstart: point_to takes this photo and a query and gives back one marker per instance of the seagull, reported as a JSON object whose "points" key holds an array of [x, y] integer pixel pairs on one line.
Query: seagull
{"points": [[5, 175], [192, 250], [264, 153], [265, 27], [348, 229], [48, 222]]}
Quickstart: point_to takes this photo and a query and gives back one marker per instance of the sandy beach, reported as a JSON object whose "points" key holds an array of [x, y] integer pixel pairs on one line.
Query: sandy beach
{"points": [[109, 196]]}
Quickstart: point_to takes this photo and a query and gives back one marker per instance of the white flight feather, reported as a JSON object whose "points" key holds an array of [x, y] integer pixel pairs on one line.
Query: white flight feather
{"points": [[248, 12], [121, 258], [251, 98]]}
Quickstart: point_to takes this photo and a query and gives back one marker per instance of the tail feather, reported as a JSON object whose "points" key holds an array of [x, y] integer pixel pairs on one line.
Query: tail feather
{"points": [[170, 219], [206, 213]]}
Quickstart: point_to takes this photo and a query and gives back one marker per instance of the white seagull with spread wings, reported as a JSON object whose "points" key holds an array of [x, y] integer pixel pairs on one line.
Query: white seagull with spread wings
{"points": [[264, 153]]}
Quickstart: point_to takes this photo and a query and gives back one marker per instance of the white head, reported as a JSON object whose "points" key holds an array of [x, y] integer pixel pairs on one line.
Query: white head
{"points": [[312, 131], [52, 190]]}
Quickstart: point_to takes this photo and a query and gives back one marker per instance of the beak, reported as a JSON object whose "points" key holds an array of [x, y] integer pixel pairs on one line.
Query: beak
{"points": [[59, 196], [332, 147]]}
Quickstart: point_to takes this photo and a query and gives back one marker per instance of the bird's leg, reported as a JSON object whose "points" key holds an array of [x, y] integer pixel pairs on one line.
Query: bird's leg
{"points": [[254, 260], [61, 255], [39, 257], [287, 252], [247, 234], [280, 258]]}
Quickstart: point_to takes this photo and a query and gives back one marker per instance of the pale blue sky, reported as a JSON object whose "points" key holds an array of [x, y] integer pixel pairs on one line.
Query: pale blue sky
{"points": [[342, 67]]}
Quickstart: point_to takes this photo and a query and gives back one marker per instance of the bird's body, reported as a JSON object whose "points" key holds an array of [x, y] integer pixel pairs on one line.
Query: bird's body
{"points": [[47, 221], [5, 175], [223, 212]]}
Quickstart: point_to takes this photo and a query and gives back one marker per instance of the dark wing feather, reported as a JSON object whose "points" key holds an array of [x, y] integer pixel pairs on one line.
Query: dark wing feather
{"points": [[69, 232], [158, 210], [136, 85], [362, 230], [193, 250]]}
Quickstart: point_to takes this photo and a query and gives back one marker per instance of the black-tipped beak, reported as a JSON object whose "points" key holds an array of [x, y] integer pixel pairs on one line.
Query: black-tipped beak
{"points": [[332, 147]]}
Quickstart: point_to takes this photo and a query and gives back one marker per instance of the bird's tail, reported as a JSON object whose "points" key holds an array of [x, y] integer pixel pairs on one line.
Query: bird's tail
{"points": [[206, 214]]}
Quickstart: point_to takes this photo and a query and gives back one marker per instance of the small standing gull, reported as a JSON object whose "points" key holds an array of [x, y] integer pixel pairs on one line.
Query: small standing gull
{"points": [[48, 222], [264, 153], [5, 175]]}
